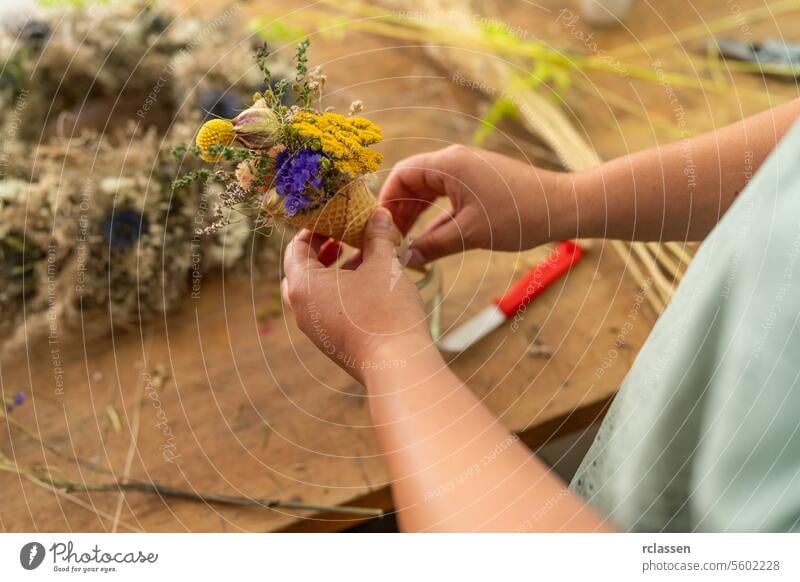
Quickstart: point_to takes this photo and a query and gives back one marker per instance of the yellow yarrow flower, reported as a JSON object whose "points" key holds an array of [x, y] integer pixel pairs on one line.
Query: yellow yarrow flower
{"points": [[343, 139], [214, 132]]}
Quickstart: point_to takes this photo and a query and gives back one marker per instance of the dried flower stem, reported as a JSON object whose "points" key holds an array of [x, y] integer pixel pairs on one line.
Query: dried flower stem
{"points": [[169, 491], [63, 486], [660, 282], [668, 263], [46, 478], [631, 265], [81, 503]]}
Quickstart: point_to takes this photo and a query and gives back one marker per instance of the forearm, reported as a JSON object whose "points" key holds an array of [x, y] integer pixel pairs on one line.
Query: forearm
{"points": [[453, 466], [675, 192]]}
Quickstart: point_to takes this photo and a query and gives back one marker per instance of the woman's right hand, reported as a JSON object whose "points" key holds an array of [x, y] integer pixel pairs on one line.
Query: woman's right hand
{"points": [[497, 202]]}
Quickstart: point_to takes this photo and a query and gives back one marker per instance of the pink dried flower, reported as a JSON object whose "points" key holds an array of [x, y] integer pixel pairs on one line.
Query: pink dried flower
{"points": [[245, 176]]}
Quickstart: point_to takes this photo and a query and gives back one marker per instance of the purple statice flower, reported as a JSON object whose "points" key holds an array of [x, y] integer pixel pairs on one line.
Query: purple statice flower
{"points": [[294, 174], [295, 204]]}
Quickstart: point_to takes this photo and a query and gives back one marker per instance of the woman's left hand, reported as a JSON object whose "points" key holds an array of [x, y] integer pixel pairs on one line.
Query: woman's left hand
{"points": [[349, 314]]}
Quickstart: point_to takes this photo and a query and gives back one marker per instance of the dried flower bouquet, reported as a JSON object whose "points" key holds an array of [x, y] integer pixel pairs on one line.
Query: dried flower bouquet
{"points": [[292, 164]]}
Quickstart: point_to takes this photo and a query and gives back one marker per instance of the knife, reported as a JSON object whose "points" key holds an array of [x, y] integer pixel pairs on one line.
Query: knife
{"points": [[531, 285]]}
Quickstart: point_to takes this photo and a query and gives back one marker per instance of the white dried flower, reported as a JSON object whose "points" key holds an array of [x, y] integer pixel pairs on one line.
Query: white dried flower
{"points": [[356, 106]]}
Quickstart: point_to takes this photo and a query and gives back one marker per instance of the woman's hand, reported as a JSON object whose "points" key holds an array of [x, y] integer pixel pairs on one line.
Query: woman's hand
{"points": [[497, 202], [431, 428], [349, 314]]}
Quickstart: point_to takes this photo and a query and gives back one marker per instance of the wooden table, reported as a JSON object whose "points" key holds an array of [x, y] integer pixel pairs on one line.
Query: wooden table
{"points": [[215, 399], [251, 408]]}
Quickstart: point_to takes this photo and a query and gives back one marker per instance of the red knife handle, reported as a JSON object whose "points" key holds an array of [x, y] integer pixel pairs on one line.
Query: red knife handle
{"points": [[539, 278]]}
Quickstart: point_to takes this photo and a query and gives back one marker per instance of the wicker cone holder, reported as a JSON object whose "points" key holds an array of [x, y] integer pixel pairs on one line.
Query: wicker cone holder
{"points": [[342, 218]]}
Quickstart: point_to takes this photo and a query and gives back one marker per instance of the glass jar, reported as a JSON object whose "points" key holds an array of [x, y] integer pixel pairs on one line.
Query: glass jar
{"points": [[429, 285]]}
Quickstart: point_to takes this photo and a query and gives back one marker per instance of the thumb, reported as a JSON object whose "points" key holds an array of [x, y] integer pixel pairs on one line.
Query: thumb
{"points": [[441, 241], [379, 236]]}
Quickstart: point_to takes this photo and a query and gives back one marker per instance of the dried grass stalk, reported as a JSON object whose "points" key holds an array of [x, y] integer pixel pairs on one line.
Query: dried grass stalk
{"points": [[543, 119]]}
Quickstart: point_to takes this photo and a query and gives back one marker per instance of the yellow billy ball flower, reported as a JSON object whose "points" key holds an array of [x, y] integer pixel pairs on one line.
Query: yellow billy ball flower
{"points": [[214, 132]]}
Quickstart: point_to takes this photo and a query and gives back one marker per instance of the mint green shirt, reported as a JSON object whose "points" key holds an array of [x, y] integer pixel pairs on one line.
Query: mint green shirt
{"points": [[704, 434]]}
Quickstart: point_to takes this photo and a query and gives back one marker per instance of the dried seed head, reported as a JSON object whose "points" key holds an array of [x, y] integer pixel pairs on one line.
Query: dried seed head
{"points": [[257, 127]]}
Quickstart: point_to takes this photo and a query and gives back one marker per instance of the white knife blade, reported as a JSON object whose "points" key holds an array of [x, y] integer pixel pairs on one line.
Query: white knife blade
{"points": [[484, 323]]}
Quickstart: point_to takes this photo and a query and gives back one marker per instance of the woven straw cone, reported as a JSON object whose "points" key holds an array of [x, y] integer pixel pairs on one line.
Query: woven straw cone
{"points": [[342, 218]]}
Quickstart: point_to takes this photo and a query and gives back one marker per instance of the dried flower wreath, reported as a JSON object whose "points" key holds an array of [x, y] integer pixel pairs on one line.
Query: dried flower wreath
{"points": [[91, 233]]}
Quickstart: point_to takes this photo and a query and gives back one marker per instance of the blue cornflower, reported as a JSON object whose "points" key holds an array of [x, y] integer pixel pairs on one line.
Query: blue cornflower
{"points": [[294, 174], [34, 31], [19, 400], [122, 228], [220, 104]]}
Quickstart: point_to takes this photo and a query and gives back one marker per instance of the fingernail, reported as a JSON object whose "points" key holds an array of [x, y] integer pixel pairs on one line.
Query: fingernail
{"points": [[416, 258], [381, 218]]}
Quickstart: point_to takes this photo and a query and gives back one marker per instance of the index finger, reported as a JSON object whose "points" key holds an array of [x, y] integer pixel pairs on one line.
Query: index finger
{"points": [[412, 185], [300, 257]]}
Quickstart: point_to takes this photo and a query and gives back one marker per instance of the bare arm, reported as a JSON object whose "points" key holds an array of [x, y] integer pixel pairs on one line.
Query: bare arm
{"points": [[454, 467], [679, 191], [675, 192]]}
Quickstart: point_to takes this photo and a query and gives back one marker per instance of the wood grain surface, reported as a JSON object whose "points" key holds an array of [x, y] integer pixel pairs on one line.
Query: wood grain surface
{"points": [[225, 396]]}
